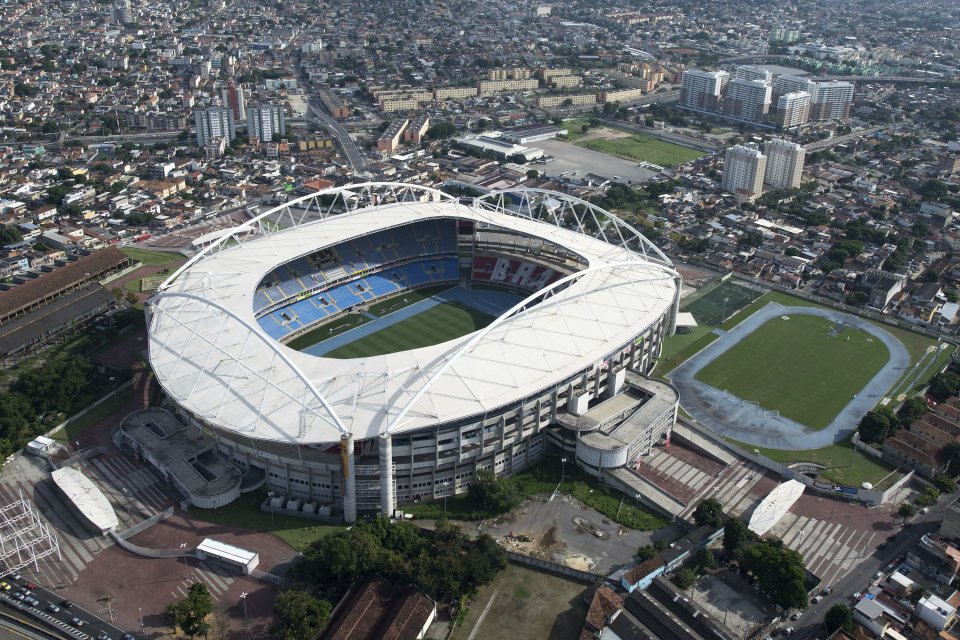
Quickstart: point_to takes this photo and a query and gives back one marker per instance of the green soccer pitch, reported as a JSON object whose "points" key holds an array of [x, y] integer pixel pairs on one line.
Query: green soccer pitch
{"points": [[799, 368], [437, 324]]}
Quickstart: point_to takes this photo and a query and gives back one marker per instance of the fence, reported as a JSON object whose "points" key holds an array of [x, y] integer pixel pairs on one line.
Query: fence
{"points": [[80, 414], [146, 524], [554, 568], [863, 495]]}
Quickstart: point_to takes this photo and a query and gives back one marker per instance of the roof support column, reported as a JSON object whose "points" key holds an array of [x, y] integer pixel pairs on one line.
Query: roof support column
{"points": [[386, 474], [348, 480], [675, 309]]}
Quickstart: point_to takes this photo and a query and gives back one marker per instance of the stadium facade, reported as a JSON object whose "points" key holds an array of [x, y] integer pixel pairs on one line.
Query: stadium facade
{"points": [[566, 366]]}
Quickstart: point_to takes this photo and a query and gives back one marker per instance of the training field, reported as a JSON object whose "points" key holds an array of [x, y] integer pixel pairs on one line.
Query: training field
{"points": [[437, 324], [720, 302], [800, 367], [639, 147]]}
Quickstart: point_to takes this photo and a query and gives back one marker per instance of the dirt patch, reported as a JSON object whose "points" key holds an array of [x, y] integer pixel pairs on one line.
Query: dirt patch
{"points": [[549, 538], [580, 563], [604, 133]]}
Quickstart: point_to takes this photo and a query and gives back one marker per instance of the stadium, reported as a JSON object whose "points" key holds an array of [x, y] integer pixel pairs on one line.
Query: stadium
{"points": [[377, 344]]}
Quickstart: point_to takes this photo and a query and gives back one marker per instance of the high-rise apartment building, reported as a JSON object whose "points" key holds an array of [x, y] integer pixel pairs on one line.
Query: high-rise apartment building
{"points": [[789, 84], [216, 122], [793, 109], [234, 100], [702, 90], [831, 100], [748, 72], [121, 12], [784, 164], [743, 169], [747, 99], [266, 122]]}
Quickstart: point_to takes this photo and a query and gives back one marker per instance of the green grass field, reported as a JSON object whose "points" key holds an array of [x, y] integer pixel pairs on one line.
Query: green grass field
{"points": [[525, 603], [718, 304], [245, 512], [638, 147], [328, 330], [842, 464], [406, 299], [153, 258], [797, 368], [438, 324]]}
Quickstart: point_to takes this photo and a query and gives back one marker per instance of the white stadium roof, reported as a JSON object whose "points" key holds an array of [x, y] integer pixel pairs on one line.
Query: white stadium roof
{"points": [[210, 355]]}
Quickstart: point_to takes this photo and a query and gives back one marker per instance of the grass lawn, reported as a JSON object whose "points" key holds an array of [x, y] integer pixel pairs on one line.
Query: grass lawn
{"points": [[133, 285], [245, 513], [677, 349], [541, 479], [528, 604], [154, 257], [328, 330], [639, 146], [74, 429], [406, 299], [842, 464], [574, 130], [797, 368], [437, 324]]}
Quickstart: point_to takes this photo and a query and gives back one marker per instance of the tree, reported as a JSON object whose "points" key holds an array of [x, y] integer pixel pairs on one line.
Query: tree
{"points": [[838, 616], [735, 536], [132, 298], [928, 498], [709, 513], [117, 294], [532, 174], [944, 385], [190, 613], [646, 552], [878, 424], [907, 510], [299, 615], [914, 408], [780, 572], [9, 234], [705, 559], [493, 493], [751, 239], [944, 483], [684, 578], [952, 453]]}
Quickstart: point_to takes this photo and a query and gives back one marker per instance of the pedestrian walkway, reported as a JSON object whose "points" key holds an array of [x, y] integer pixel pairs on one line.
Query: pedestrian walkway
{"points": [[830, 549], [215, 578]]}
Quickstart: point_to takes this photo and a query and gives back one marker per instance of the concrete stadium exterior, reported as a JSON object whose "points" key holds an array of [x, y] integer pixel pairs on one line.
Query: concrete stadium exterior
{"points": [[565, 366]]}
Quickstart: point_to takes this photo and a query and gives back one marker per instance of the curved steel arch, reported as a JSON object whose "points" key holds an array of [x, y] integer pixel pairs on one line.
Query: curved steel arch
{"points": [[476, 338], [265, 339], [494, 201], [252, 224]]}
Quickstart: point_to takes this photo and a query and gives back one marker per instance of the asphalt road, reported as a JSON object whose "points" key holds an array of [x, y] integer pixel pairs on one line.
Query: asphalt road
{"points": [[355, 157], [810, 625], [90, 624]]}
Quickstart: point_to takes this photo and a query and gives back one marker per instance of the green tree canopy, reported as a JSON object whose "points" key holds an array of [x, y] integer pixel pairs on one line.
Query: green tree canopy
{"points": [[493, 493], [190, 613], [9, 234], [709, 513], [944, 385], [879, 424], [684, 578], [299, 615], [780, 571], [838, 616], [735, 536]]}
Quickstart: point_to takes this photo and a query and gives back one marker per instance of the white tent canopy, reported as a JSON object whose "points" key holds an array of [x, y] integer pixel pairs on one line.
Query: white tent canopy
{"points": [[774, 506]]}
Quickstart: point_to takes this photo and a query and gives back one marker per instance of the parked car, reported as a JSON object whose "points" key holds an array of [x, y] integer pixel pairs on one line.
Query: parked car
{"points": [[856, 596], [66, 604], [796, 616], [817, 599], [52, 608], [77, 622]]}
